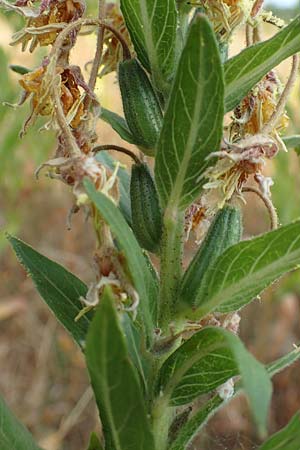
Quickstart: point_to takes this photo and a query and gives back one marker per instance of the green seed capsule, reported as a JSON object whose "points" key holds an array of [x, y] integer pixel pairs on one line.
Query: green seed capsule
{"points": [[225, 230], [141, 106], [145, 209]]}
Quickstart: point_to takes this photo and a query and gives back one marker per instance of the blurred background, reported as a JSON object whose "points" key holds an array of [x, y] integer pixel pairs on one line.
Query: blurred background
{"points": [[43, 377]]}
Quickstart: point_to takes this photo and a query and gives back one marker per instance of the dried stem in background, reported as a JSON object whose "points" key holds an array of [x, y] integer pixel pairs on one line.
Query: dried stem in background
{"points": [[283, 98], [268, 203]]}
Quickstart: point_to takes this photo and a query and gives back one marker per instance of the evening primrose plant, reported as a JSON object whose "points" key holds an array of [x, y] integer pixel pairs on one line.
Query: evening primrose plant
{"points": [[159, 331]]}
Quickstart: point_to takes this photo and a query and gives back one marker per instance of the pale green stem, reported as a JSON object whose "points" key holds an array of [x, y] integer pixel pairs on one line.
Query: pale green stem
{"points": [[162, 417], [170, 265]]}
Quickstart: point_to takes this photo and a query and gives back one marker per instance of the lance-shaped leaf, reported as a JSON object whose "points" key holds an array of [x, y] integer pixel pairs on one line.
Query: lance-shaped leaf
{"points": [[292, 141], [207, 360], [192, 126], [115, 382], [143, 280], [118, 124], [13, 435], [199, 419], [244, 270], [246, 69], [124, 183], [286, 439], [58, 287], [135, 348], [152, 26], [282, 363]]}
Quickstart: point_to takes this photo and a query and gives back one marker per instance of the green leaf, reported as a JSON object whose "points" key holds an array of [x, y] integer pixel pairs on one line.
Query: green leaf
{"points": [[60, 289], [286, 439], [118, 124], [13, 435], [137, 265], [124, 183], [19, 69], [196, 423], [193, 121], [246, 69], [152, 26], [115, 383], [207, 360], [94, 443], [282, 363], [200, 418], [135, 348], [244, 270], [292, 141]]}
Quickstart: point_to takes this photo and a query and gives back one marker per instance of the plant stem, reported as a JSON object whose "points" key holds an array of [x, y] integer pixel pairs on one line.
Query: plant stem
{"points": [[268, 203], [170, 265], [162, 416], [117, 148], [256, 8], [63, 124], [98, 54]]}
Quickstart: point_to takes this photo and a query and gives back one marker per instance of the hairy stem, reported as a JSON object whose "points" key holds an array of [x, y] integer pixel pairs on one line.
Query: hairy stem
{"points": [[170, 265], [162, 417]]}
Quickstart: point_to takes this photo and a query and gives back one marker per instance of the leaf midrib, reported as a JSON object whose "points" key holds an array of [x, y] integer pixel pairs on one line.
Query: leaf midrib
{"points": [[260, 275], [37, 270], [179, 373], [175, 197]]}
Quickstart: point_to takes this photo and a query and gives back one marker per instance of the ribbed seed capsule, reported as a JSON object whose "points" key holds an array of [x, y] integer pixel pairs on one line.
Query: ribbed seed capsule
{"points": [[140, 104], [145, 209], [225, 230]]}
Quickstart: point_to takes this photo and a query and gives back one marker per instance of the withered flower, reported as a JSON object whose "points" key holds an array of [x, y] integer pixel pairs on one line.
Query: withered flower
{"points": [[111, 268], [227, 15], [72, 171], [236, 163], [257, 108], [69, 82], [43, 23], [197, 219]]}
